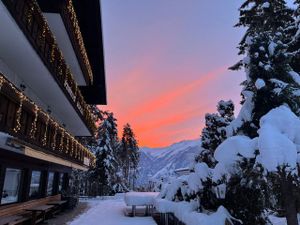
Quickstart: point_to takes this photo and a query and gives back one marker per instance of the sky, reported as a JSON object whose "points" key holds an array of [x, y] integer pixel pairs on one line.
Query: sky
{"points": [[166, 64]]}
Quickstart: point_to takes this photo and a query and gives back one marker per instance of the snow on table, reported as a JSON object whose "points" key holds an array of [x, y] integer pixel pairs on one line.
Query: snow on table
{"points": [[140, 198], [109, 212]]}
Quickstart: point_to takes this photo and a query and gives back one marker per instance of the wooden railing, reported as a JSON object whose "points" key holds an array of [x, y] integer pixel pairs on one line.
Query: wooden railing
{"points": [[30, 19], [69, 17], [22, 118]]}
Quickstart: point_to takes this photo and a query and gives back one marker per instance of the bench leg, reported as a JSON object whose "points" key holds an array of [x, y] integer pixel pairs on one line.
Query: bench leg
{"points": [[147, 210], [33, 220], [133, 210], [166, 218]]}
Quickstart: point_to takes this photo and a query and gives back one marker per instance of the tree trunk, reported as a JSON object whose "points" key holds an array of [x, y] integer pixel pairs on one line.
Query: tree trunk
{"points": [[289, 201]]}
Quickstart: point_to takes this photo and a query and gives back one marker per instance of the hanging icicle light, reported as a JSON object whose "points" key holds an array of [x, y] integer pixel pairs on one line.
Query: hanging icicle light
{"points": [[19, 113]]}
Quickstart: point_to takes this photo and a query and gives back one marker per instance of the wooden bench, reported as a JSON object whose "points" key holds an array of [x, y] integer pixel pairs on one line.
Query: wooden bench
{"points": [[58, 205], [14, 220], [18, 213]]}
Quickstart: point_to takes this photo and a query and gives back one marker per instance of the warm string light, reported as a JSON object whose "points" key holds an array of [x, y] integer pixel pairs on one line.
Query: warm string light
{"points": [[29, 13], [52, 53], [78, 35], [53, 144], [19, 113], [2, 80], [80, 149], [44, 140], [33, 125], [32, 11], [71, 149], [61, 145], [67, 144]]}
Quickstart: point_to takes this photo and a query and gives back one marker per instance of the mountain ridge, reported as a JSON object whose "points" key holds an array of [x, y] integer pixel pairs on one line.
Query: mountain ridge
{"points": [[162, 161]]}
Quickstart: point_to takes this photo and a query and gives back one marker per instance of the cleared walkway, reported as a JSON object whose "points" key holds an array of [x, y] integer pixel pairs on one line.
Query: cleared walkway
{"points": [[109, 212]]}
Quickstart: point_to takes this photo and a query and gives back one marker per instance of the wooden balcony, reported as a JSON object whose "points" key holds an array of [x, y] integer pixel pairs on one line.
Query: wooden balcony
{"points": [[29, 18], [65, 9], [23, 119]]}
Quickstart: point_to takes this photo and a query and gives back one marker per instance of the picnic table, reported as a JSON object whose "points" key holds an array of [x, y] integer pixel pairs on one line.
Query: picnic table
{"points": [[135, 199], [43, 209]]}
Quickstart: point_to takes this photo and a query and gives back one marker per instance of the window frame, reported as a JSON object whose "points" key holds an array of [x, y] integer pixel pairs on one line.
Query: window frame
{"points": [[47, 183], [2, 182], [40, 195]]}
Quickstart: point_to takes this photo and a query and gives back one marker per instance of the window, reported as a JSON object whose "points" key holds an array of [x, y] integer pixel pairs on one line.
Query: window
{"points": [[50, 183], [35, 183], [11, 187], [61, 182]]}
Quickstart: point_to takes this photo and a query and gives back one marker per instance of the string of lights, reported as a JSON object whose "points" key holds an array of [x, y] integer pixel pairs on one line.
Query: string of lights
{"points": [[72, 15], [39, 113], [34, 13]]}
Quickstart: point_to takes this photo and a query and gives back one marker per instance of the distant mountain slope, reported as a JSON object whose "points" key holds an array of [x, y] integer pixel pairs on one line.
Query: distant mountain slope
{"points": [[155, 162]]}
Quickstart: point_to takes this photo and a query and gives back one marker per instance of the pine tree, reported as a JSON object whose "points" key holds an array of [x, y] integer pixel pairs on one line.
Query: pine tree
{"points": [[214, 132], [294, 31], [104, 173], [129, 152], [271, 81], [262, 15]]}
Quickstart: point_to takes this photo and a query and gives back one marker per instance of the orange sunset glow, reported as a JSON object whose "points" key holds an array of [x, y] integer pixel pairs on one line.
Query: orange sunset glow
{"points": [[162, 75]]}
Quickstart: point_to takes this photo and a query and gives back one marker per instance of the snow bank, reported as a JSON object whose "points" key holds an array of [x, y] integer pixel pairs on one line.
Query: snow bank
{"points": [[180, 209], [186, 212], [140, 198], [217, 218]]}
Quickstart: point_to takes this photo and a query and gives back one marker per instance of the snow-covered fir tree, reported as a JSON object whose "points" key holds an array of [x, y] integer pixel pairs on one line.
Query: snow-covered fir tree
{"points": [[214, 132], [271, 82], [267, 60], [106, 173], [294, 31], [262, 15], [129, 155]]}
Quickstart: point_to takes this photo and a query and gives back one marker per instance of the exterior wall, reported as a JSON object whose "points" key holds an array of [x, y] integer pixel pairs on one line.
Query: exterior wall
{"points": [[26, 165]]}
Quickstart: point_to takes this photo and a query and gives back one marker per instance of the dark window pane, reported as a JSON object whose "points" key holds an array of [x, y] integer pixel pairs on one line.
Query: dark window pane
{"points": [[50, 183], [35, 184], [11, 186], [61, 181]]}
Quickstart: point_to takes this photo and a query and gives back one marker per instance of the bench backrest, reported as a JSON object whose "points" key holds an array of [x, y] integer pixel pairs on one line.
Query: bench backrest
{"points": [[13, 209]]}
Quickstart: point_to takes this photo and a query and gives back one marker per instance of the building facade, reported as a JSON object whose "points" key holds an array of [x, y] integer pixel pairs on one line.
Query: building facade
{"points": [[51, 72]]}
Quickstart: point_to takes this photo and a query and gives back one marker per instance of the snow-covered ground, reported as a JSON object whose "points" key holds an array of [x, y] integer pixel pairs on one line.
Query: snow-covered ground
{"points": [[109, 212]]}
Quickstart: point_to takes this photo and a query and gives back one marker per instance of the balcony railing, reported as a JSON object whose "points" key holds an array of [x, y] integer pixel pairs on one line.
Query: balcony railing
{"points": [[69, 17], [22, 118], [30, 19]]}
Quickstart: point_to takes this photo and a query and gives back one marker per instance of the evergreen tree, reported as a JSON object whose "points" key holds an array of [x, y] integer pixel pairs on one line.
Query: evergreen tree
{"points": [[263, 15], [129, 152], [294, 31], [270, 78], [104, 173], [271, 81], [214, 132]]}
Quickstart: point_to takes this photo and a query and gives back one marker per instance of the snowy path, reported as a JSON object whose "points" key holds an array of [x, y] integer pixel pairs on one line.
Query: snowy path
{"points": [[109, 212]]}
